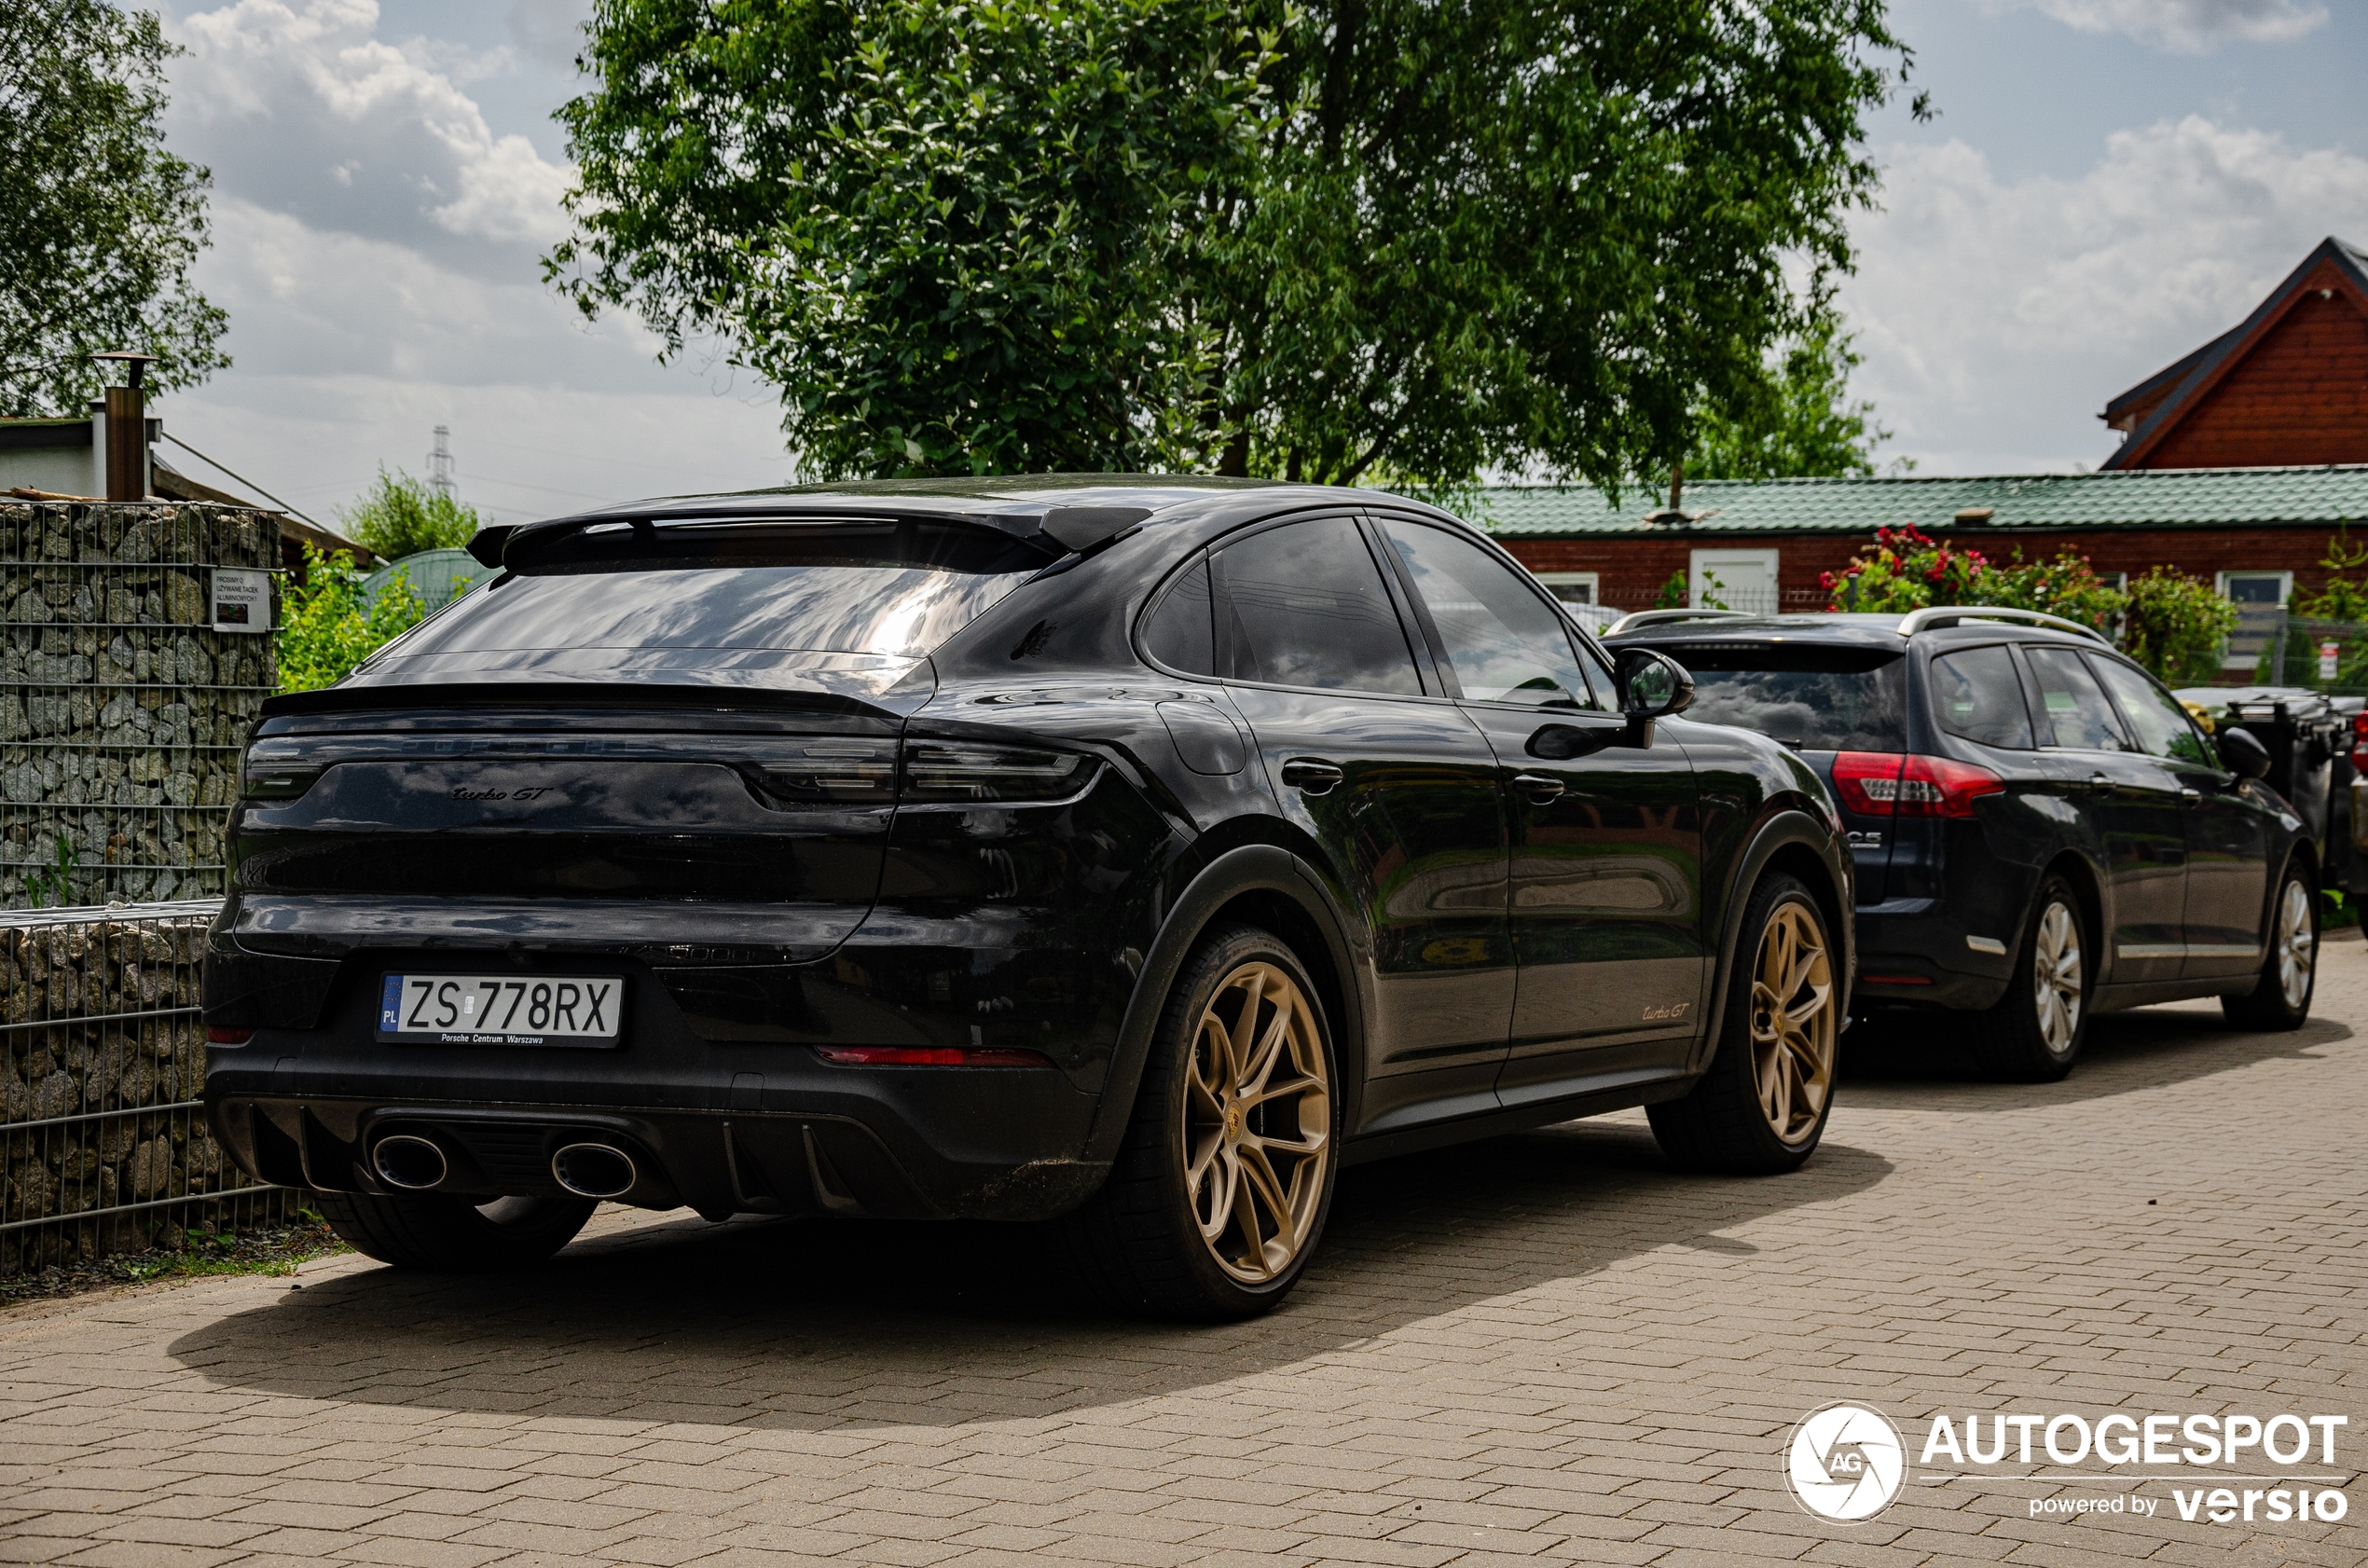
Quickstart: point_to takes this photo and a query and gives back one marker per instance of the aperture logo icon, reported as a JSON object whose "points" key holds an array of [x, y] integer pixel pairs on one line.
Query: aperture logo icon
{"points": [[1845, 1463]]}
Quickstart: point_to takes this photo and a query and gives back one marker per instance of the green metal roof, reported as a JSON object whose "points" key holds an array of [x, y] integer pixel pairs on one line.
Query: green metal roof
{"points": [[2146, 498]]}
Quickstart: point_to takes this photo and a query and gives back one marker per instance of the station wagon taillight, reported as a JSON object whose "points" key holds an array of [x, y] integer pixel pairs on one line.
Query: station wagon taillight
{"points": [[1892, 784], [2359, 743]]}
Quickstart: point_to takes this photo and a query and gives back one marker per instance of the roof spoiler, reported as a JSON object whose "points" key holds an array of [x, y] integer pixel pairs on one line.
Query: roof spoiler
{"points": [[486, 544], [1067, 529]]}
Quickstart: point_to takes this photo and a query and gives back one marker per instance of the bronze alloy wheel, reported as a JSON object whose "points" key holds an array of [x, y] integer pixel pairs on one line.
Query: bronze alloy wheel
{"points": [[1793, 1022], [2055, 978], [2297, 943], [1258, 1117]]}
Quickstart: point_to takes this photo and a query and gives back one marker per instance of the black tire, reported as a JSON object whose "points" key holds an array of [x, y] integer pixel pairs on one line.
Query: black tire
{"points": [[2281, 999], [2023, 1037], [1724, 1122], [1140, 1240], [446, 1233]]}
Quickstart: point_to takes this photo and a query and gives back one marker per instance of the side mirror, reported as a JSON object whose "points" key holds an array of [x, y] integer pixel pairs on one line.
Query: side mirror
{"points": [[2242, 753], [1652, 687]]}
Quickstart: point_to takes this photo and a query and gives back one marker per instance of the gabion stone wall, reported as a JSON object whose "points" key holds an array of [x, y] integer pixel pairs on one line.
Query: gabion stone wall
{"points": [[122, 711], [102, 1145]]}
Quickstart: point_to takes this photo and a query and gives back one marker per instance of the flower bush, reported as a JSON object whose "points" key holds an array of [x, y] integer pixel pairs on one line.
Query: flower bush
{"points": [[1908, 570]]}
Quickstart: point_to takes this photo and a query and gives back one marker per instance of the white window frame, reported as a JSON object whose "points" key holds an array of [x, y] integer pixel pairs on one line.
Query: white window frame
{"points": [[1591, 580], [1700, 560], [2117, 581], [2285, 583]]}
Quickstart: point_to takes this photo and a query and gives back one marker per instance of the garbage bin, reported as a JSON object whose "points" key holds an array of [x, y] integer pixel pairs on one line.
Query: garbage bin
{"points": [[2307, 737]]}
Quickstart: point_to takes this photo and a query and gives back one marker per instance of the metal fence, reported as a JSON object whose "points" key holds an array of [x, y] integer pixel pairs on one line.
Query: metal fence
{"points": [[122, 709], [103, 1145]]}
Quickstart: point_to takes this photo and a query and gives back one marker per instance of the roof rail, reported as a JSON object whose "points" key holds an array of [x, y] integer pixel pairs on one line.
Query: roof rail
{"points": [[1956, 614], [1655, 617]]}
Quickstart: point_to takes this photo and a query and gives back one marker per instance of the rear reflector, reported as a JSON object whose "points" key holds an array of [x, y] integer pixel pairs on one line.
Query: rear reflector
{"points": [[1885, 784], [931, 1056], [228, 1037]]}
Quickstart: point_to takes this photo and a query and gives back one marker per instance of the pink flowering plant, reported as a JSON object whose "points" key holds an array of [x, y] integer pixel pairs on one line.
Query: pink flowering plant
{"points": [[1908, 570]]}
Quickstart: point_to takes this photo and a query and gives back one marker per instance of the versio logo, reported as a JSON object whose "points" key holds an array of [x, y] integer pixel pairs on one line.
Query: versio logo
{"points": [[1845, 1463]]}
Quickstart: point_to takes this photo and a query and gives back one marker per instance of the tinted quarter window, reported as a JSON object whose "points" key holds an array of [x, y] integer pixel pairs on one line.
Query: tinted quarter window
{"points": [[1812, 698], [1303, 605], [1503, 641], [1181, 632], [1978, 696], [2078, 715], [2159, 723], [858, 588]]}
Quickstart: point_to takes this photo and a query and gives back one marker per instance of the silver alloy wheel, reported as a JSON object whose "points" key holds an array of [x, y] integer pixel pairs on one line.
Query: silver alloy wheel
{"points": [[2297, 952], [2055, 978]]}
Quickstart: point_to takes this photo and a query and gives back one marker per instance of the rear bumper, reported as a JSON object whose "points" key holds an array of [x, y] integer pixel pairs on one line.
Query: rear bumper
{"points": [[724, 1126], [1914, 952]]}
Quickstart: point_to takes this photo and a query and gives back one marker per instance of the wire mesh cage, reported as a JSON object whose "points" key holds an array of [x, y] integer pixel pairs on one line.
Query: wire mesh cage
{"points": [[102, 1141], [123, 709]]}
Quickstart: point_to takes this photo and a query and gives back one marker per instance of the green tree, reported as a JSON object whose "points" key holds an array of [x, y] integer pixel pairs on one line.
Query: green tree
{"points": [[1365, 239], [1799, 422], [327, 627], [399, 515], [99, 225]]}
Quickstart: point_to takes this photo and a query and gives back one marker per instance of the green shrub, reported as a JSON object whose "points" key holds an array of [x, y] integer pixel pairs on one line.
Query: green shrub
{"points": [[2066, 585], [326, 628], [399, 515], [1908, 570], [2177, 625]]}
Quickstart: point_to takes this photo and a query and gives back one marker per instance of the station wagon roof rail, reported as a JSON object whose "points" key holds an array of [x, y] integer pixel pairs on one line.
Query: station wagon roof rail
{"points": [[1655, 617], [1935, 616]]}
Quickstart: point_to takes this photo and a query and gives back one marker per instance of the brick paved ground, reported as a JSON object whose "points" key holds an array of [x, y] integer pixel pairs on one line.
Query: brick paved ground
{"points": [[1548, 1349]]}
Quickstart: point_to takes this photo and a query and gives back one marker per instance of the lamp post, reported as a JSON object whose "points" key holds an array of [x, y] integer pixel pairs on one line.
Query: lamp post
{"points": [[128, 429]]}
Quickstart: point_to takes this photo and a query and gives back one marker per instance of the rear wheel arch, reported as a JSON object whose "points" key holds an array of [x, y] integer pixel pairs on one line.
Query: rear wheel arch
{"points": [[1256, 885], [1793, 842]]}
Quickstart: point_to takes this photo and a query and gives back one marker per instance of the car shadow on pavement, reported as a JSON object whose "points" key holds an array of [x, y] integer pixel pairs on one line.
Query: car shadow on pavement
{"points": [[1929, 1060], [811, 1325]]}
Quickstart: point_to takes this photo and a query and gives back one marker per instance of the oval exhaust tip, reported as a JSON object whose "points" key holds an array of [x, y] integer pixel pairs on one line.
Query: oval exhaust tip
{"points": [[594, 1170], [413, 1163]]}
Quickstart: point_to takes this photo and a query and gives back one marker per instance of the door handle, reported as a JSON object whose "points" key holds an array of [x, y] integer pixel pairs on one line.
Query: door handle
{"points": [[1538, 787], [1310, 777]]}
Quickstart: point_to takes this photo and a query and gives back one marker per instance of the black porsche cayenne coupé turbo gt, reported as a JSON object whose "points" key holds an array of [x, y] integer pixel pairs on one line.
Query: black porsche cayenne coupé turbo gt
{"points": [[1135, 851]]}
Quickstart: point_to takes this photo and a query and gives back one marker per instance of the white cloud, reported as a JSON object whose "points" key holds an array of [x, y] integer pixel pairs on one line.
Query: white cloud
{"points": [[2183, 26], [1997, 318], [299, 103]]}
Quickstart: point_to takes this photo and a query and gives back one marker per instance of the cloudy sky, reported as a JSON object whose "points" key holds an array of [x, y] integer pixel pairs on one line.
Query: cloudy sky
{"points": [[2109, 183]]}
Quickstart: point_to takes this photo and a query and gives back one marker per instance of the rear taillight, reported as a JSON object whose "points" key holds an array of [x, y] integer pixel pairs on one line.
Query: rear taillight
{"points": [[940, 770], [2360, 742], [856, 772], [216, 1035], [931, 1056], [1886, 784]]}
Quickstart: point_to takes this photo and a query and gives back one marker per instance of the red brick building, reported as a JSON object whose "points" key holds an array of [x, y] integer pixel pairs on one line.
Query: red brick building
{"points": [[2238, 463]]}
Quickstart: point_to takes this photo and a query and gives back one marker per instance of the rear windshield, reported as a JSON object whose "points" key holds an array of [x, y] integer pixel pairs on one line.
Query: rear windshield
{"points": [[1812, 698], [898, 589]]}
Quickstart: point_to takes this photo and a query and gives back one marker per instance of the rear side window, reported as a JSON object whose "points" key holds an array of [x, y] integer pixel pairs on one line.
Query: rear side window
{"points": [[1303, 605], [1181, 631], [2078, 715], [1812, 698], [1979, 697], [885, 588]]}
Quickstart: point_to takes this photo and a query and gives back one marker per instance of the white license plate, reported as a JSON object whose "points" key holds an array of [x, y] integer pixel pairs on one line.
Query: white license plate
{"points": [[501, 1009]]}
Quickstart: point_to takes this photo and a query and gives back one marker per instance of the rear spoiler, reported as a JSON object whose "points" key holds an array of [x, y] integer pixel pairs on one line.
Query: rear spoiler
{"points": [[1063, 530]]}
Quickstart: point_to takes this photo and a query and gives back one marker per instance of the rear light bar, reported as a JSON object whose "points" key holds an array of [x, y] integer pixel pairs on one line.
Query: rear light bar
{"points": [[931, 1056], [1892, 784]]}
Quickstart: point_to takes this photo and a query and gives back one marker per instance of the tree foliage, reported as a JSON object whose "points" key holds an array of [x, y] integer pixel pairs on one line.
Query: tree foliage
{"points": [[328, 626], [1386, 240], [399, 515], [1799, 422], [99, 224]]}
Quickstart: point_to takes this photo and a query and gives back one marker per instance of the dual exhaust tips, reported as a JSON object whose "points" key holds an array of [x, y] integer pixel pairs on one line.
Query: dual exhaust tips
{"points": [[589, 1170]]}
